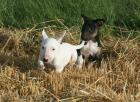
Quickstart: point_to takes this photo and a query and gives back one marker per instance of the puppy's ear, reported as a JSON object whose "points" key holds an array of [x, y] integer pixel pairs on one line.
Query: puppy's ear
{"points": [[61, 38], [44, 35], [85, 18], [99, 22]]}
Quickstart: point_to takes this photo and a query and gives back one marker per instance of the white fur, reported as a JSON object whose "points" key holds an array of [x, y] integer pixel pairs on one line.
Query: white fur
{"points": [[58, 55], [91, 48]]}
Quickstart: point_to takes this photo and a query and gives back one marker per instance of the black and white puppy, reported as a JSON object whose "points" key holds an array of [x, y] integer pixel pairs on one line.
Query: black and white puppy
{"points": [[90, 33]]}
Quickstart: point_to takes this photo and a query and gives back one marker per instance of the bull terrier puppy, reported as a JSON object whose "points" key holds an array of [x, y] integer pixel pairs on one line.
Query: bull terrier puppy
{"points": [[57, 53]]}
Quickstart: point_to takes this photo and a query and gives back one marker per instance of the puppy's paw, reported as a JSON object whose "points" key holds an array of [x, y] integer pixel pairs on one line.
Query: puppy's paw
{"points": [[59, 70], [79, 66], [41, 65]]}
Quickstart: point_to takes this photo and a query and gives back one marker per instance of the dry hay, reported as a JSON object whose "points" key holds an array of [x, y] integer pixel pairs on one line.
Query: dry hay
{"points": [[116, 80]]}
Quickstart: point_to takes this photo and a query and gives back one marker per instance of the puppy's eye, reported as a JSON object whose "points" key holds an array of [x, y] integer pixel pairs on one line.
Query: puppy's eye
{"points": [[53, 49]]}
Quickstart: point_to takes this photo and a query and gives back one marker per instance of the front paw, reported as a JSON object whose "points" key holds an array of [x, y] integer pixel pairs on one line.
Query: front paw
{"points": [[79, 66], [41, 65]]}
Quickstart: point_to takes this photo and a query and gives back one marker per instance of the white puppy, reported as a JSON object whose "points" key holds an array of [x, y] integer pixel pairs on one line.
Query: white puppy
{"points": [[56, 53]]}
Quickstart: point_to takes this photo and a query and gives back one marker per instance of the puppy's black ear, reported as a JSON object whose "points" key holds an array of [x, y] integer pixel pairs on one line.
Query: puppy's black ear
{"points": [[85, 18], [99, 22]]}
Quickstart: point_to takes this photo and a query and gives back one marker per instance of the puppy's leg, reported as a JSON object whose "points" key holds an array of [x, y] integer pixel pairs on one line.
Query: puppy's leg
{"points": [[73, 59], [80, 61], [41, 64], [59, 68]]}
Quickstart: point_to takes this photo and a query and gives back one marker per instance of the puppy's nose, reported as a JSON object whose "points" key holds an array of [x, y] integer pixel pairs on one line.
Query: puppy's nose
{"points": [[45, 60]]}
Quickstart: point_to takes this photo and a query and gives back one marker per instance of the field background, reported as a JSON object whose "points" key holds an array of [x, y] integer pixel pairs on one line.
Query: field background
{"points": [[116, 80], [27, 13]]}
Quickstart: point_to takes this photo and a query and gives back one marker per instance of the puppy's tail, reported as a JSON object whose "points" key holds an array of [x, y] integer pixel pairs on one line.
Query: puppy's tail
{"points": [[80, 46]]}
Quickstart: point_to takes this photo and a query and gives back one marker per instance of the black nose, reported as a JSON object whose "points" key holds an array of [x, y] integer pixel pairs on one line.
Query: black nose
{"points": [[45, 60]]}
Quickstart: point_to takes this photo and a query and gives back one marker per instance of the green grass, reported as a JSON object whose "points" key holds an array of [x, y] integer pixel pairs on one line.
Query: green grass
{"points": [[26, 13]]}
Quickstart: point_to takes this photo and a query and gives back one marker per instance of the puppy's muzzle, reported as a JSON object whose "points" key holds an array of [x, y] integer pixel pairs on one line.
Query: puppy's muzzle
{"points": [[45, 60]]}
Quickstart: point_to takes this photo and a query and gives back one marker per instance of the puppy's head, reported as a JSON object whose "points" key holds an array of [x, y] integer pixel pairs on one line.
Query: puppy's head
{"points": [[90, 27], [49, 47]]}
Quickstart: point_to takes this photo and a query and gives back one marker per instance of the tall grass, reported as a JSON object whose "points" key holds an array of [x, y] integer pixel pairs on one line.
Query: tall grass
{"points": [[26, 13]]}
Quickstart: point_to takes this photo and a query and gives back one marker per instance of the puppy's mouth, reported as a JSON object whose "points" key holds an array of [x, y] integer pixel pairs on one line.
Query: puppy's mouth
{"points": [[45, 60]]}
